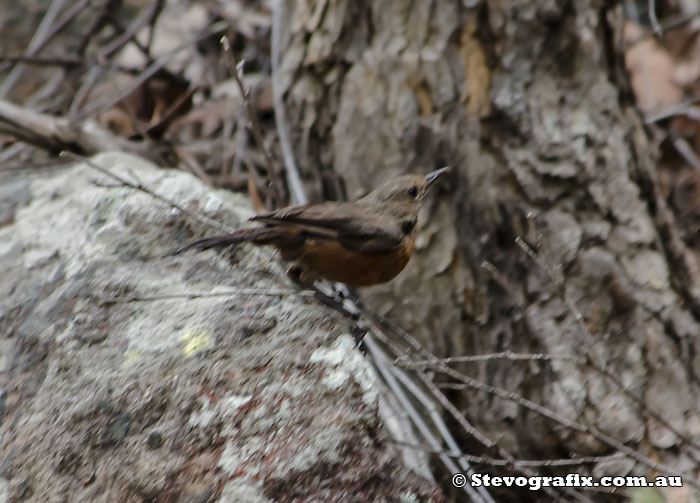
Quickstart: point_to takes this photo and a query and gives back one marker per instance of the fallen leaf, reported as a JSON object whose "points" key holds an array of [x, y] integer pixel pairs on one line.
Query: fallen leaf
{"points": [[652, 71]]}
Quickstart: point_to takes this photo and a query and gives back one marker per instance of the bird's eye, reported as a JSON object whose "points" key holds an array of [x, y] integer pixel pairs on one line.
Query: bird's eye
{"points": [[413, 191], [408, 225]]}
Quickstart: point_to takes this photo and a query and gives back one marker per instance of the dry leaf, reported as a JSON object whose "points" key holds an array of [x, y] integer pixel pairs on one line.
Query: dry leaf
{"points": [[652, 71], [255, 199]]}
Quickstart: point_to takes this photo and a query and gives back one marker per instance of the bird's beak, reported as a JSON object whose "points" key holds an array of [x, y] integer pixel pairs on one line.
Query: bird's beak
{"points": [[431, 178]]}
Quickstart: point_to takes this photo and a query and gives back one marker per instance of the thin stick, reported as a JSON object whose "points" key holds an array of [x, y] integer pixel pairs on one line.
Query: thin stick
{"points": [[236, 69], [296, 188], [138, 186], [686, 151], [504, 355], [518, 462], [653, 20], [672, 23], [147, 15], [683, 108], [244, 292], [66, 61], [38, 39]]}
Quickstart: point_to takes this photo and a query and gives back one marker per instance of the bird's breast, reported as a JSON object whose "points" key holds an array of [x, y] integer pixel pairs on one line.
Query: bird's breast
{"points": [[334, 262]]}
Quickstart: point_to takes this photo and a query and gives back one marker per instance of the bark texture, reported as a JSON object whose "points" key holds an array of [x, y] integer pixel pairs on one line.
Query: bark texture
{"points": [[526, 101]]}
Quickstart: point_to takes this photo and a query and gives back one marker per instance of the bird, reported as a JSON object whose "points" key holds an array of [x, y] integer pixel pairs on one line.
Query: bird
{"points": [[361, 243]]}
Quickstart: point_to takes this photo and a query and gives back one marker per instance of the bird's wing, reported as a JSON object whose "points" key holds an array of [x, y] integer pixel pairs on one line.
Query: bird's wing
{"points": [[351, 225]]}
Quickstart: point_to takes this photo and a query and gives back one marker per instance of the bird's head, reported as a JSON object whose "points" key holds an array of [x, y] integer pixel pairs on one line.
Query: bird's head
{"points": [[406, 193]]}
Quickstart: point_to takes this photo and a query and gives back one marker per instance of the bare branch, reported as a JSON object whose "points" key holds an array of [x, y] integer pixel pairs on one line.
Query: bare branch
{"points": [[58, 133]]}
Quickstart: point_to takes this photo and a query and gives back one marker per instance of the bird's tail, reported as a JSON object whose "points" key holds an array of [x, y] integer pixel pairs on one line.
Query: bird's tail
{"points": [[258, 236]]}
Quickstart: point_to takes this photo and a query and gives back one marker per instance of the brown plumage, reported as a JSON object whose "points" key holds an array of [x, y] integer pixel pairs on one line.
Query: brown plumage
{"points": [[363, 243]]}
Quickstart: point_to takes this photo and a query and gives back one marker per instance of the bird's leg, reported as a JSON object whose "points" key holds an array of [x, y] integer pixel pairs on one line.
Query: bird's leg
{"points": [[300, 275], [334, 298]]}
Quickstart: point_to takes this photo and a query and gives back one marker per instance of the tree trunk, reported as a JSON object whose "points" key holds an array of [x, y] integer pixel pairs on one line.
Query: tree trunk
{"points": [[527, 101]]}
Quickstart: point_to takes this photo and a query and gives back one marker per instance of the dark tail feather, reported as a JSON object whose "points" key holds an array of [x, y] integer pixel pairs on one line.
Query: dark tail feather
{"points": [[259, 236]]}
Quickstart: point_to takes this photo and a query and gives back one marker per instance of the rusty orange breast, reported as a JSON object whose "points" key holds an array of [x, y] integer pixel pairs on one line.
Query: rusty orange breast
{"points": [[334, 262]]}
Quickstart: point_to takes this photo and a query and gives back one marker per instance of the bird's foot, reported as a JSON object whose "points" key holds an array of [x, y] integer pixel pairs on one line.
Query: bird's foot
{"points": [[301, 276]]}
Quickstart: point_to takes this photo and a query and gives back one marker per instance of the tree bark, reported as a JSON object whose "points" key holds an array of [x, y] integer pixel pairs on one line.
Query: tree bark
{"points": [[527, 101]]}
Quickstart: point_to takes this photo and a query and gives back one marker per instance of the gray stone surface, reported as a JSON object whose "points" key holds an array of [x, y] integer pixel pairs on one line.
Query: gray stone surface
{"points": [[240, 397]]}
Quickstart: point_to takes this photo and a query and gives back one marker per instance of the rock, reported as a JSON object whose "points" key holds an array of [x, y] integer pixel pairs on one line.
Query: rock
{"points": [[120, 383]]}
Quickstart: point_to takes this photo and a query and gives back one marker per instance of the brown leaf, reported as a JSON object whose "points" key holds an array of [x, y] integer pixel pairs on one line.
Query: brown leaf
{"points": [[651, 70], [254, 194]]}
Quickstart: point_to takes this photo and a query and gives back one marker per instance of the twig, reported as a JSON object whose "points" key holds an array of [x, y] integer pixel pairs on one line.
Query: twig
{"points": [[518, 462], [43, 36], [23, 166], [40, 37], [191, 164], [191, 296], [138, 186], [684, 108], [557, 278], [504, 355], [296, 188], [88, 81], [148, 15], [236, 69], [99, 19], [672, 23], [682, 147], [653, 20], [62, 22], [65, 61], [241, 142]]}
